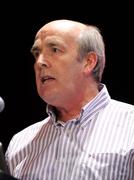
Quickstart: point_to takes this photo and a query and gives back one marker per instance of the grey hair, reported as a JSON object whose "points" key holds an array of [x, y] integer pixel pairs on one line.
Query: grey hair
{"points": [[91, 40]]}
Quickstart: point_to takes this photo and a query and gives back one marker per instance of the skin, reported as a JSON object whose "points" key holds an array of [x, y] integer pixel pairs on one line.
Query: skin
{"points": [[63, 81]]}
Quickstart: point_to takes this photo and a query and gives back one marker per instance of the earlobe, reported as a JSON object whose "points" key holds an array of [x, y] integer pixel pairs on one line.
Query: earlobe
{"points": [[91, 61]]}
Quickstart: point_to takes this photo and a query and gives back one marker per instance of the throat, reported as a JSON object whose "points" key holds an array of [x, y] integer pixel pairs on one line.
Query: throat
{"points": [[66, 115]]}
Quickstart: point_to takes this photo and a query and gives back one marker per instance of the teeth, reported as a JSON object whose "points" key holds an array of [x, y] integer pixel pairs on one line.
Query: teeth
{"points": [[43, 79]]}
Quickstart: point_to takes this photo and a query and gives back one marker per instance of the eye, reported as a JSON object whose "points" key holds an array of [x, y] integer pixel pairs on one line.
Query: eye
{"points": [[55, 50], [35, 52]]}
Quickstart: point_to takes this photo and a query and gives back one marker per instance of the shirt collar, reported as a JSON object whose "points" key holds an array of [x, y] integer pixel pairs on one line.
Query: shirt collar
{"points": [[95, 105], [89, 110]]}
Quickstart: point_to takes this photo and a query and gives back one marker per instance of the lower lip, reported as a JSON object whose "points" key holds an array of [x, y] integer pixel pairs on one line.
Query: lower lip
{"points": [[47, 81]]}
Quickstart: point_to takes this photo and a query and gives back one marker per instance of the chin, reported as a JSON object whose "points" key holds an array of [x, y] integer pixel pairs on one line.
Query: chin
{"points": [[49, 100]]}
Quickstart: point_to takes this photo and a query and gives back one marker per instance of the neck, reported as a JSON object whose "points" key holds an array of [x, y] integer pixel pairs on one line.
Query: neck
{"points": [[72, 109]]}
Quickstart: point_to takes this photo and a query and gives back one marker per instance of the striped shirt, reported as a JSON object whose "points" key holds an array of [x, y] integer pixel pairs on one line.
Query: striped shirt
{"points": [[99, 145]]}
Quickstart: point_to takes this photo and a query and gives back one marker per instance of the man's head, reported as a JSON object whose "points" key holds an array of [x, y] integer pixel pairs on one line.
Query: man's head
{"points": [[89, 39], [68, 56]]}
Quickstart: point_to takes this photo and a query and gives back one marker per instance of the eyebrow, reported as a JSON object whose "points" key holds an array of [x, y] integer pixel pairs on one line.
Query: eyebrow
{"points": [[34, 48], [53, 43], [49, 43]]}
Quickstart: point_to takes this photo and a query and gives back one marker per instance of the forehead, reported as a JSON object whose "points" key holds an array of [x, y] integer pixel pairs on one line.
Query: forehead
{"points": [[51, 41], [61, 28], [60, 32], [57, 37]]}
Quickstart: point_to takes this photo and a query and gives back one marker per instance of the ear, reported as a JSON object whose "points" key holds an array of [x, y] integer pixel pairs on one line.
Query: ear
{"points": [[90, 62]]}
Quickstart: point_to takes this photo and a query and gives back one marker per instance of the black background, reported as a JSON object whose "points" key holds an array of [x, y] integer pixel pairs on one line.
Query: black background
{"points": [[19, 23]]}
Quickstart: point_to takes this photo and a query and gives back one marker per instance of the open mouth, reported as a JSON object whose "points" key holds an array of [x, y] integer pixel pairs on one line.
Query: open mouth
{"points": [[45, 79]]}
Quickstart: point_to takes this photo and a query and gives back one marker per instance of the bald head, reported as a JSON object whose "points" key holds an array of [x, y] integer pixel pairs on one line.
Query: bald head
{"points": [[65, 26], [77, 36]]}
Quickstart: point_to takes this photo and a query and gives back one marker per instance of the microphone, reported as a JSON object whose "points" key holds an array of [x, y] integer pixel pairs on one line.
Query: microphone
{"points": [[2, 104]]}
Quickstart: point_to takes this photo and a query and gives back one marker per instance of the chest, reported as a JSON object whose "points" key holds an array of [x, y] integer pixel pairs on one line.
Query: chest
{"points": [[76, 153]]}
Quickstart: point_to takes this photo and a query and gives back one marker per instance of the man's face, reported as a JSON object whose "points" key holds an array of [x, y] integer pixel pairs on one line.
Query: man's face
{"points": [[59, 74]]}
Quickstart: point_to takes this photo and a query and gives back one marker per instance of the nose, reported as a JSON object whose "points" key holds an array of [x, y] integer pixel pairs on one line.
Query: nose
{"points": [[42, 62]]}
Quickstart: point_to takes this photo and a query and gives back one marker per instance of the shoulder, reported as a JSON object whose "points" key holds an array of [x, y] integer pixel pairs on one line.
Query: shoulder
{"points": [[121, 108], [26, 135], [122, 105], [32, 128]]}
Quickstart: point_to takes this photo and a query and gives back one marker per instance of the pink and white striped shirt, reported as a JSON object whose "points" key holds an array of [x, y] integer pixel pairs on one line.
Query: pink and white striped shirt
{"points": [[99, 145]]}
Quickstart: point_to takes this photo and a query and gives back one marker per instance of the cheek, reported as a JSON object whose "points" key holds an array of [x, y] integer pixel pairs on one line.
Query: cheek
{"points": [[36, 76], [72, 78], [37, 79]]}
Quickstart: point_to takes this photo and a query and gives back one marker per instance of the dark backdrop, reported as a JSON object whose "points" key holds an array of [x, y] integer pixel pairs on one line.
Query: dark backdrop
{"points": [[19, 24]]}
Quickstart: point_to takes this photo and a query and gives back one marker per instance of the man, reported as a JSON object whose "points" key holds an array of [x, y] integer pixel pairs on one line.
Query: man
{"points": [[87, 135]]}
